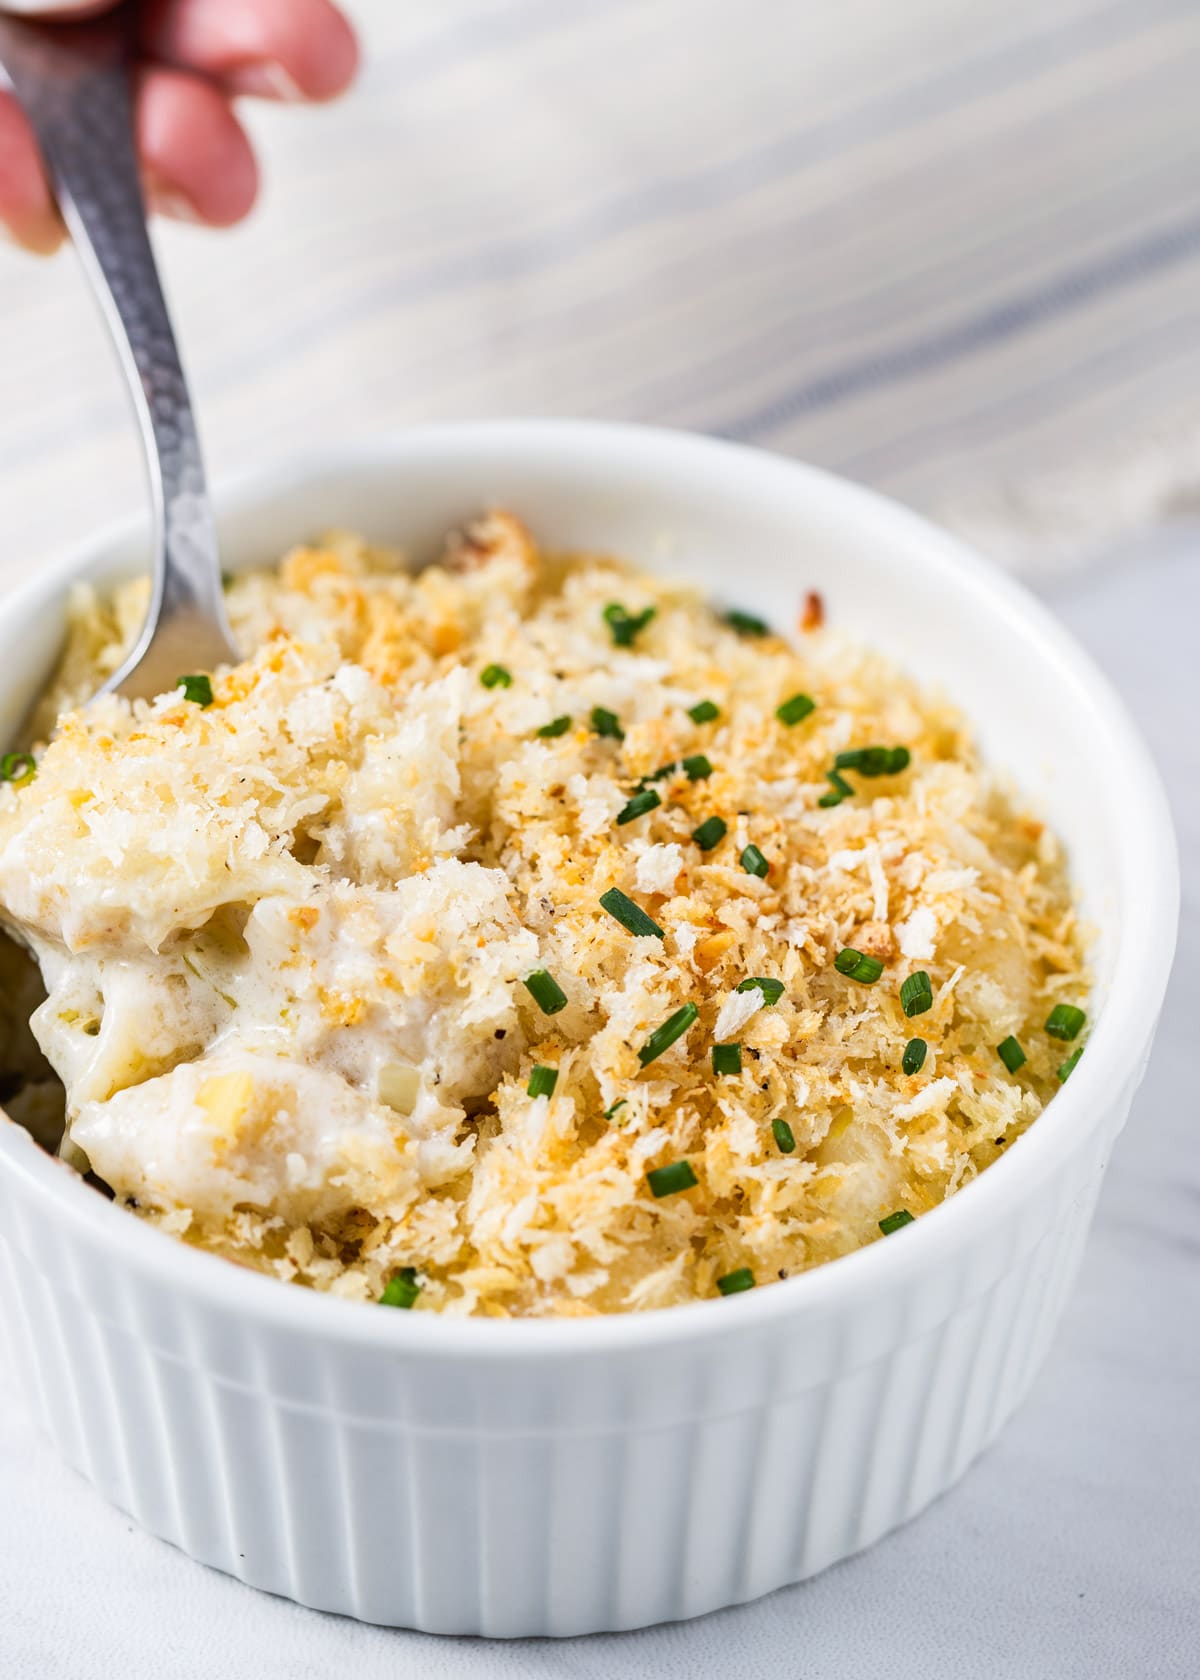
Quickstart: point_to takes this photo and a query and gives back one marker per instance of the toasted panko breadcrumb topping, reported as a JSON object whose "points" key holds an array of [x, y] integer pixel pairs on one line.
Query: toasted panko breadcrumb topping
{"points": [[757, 917]]}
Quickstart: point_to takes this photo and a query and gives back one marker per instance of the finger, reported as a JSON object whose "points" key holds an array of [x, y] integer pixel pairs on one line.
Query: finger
{"points": [[197, 160], [282, 49], [27, 207]]}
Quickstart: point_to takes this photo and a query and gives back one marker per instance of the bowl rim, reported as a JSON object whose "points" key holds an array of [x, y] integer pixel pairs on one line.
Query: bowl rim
{"points": [[1121, 1035]]}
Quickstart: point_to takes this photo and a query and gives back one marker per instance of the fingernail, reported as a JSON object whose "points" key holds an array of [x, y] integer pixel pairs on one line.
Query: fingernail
{"points": [[40, 238], [167, 202], [67, 10], [268, 81]]}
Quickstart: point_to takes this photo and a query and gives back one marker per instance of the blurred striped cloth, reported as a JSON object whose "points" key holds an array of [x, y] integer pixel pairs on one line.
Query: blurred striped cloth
{"points": [[949, 248]]}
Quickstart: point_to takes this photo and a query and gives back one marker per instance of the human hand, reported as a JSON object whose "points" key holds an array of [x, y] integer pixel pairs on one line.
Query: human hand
{"points": [[195, 57]]}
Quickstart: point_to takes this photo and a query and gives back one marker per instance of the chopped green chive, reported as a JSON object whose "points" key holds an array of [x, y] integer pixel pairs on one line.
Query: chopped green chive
{"points": [[545, 991], [704, 711], [556, 726], [495, 676], [697, 768], [874, 761], [785, 1138], [746, 624], [196, 689], [668, 1181], [1065, 1021], [913, 1059], [895, 1221], [1011, 1054], [621, 1102], [661, 774], [630, 915], [607, 723], [1067, 1068], [916, 994], [645, 799], [710, 833], [663, 1037], [856, 965], [772, 990], [734, 1282], [402, 1290], [754, 863], [542, 1081], [840, 785], [727, 1058], [796, 709], [19, 768], [624, 625]]}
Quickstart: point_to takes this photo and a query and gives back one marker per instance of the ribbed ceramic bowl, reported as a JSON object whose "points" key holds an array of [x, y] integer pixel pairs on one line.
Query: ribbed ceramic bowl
{"points": [[556, 1478]]}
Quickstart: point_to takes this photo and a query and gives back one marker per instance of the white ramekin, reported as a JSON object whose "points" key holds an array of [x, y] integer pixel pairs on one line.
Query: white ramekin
{"points": [[556, 1478]]}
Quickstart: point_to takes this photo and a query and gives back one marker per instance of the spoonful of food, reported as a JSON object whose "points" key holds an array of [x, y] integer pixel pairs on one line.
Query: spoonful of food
{"points": [[73, 82]]}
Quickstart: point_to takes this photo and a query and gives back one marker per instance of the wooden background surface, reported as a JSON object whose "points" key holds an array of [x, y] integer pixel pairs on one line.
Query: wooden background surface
{"points": [[948, 247]]}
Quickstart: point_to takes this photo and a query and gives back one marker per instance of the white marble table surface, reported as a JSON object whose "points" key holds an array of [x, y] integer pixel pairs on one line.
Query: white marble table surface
{"points": [[1071, 1550]]}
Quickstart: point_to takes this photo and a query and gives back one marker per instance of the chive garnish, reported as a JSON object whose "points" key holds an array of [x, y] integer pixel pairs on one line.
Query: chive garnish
{"points": [[895, 1221], [545, 991], [704, 711], [796, 709], [772, 990], [856, 965], [542, 1081], [1065, 1021], [1011, 1054], [840, 785], [874, 761], [645, 799], [696, 768], [197, 689], [727, 1058], [661, 774], [613, 1107], [668, 1181], [746, 624], [495, 676], [402, 1289], [607, 723], [18, 768], [624, 625], [630, 915], [556, 726], [734, 1282], [1065, 1069], [710, 833], [916, 994], [785, 1138], [913, 1059], [663, 1037], [754, 863], [834, 797]]}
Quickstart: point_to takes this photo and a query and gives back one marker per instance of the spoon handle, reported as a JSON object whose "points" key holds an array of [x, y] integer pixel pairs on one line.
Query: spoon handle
{"points": [[73, 82]]}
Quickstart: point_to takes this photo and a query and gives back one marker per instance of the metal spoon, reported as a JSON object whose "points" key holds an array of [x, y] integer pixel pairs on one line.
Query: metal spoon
{"points": [[73, 82]]}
